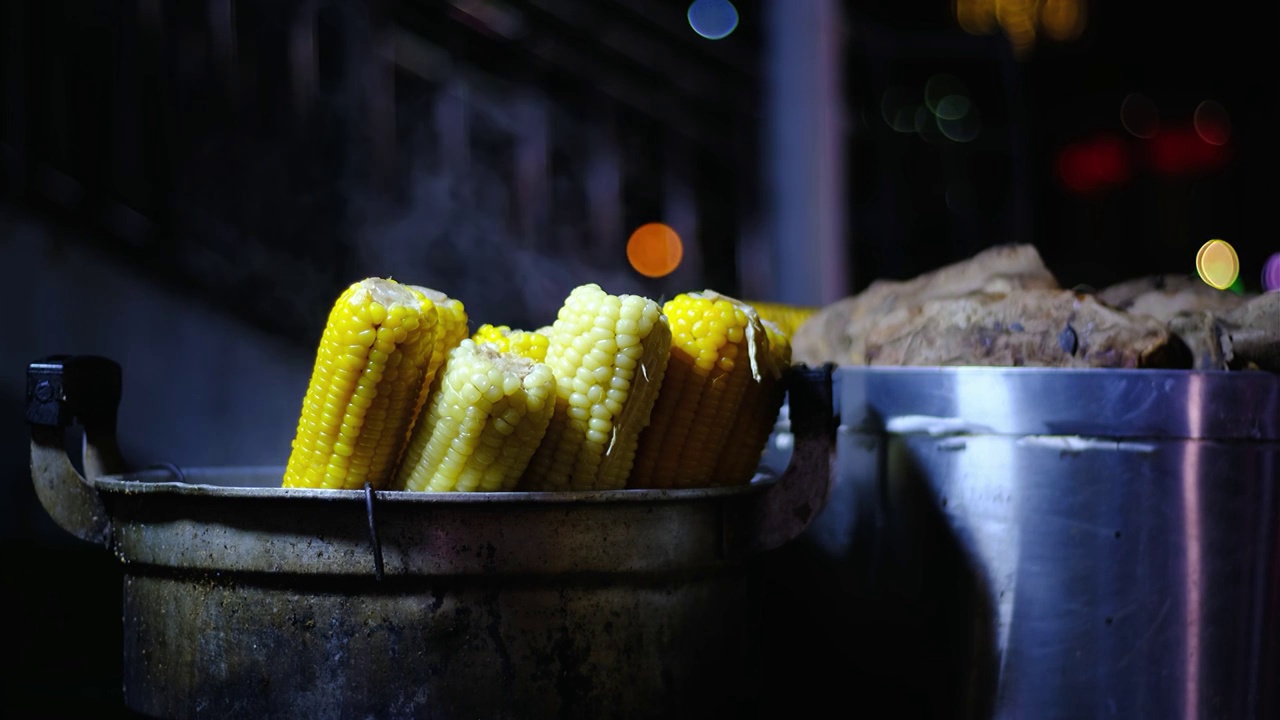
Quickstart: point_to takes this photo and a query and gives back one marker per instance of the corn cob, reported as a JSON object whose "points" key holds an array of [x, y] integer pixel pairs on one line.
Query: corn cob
{"points": [[757, 416], [453, 329], [788, 318], [609, 355], [779, 344], [719, 365], [450, 330], [482, 425], [524, 343], [488, 333], [365, 387]]}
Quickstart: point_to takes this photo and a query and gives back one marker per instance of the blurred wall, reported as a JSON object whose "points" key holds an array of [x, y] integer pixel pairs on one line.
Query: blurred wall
{"points": [[200, 388]]}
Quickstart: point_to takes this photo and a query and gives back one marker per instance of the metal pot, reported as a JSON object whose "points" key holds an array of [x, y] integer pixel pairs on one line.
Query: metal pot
{"points": [[1049, 543], [244, 598]]}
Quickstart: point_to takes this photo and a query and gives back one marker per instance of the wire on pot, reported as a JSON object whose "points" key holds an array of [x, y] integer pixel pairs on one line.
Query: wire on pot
{"points": [[373, 532]]}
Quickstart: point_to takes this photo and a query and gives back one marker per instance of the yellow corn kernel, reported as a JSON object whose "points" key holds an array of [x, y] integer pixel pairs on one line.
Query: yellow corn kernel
{"points": [[488, 333], [757, 416], [720, 362], [453, 329], [609, 355], [528, 344], [365, 387], [524, 343], [788, 318], [482, 425], [779, 344]]}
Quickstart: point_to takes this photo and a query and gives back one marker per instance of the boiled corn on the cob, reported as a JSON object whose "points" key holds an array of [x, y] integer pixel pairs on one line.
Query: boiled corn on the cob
{"points": [[779, 344], [720, 365], [365, 387], [609, 355], [524, 343], [757, 416], [788, 318], [451, 330], [482, 424], [488, 333]]}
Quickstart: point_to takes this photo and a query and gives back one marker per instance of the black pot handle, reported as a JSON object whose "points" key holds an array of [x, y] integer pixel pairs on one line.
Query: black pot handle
{"points": [[801, 492], [63, 390]]}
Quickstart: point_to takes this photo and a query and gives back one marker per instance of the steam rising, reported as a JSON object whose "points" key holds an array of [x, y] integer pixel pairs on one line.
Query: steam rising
{"points": [[453, 234]]}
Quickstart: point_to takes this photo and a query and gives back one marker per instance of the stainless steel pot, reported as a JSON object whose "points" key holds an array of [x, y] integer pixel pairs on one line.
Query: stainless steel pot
{"points": [[1047, 543], [244, 598]]}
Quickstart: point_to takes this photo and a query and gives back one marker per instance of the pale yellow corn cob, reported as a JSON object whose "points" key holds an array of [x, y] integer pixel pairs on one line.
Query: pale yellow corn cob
{"points": [[482, 425], [609, 355]]}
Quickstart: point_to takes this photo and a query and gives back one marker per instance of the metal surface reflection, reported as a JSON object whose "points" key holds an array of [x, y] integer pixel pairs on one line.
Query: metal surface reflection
{"points": [[1086, 543]]}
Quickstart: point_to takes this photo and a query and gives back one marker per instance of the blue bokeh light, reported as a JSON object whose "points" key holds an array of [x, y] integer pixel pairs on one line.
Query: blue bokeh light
{"points": [[713, 19]]}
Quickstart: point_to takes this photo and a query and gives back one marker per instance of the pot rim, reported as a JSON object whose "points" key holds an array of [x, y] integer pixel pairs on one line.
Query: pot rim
{"points": [[150, 482], [1129, 403]]}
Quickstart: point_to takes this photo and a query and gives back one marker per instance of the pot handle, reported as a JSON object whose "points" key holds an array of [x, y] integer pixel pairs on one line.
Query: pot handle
{"points": [[63, 389], [797, 497]]}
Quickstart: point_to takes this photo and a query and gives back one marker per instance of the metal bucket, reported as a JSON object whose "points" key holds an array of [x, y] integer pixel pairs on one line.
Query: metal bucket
{"points": [[242, 598], [1049, 543]]}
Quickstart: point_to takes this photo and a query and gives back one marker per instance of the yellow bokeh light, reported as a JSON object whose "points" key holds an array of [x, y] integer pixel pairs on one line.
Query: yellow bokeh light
{"points": [[977, 17], [1217, 264], [1063, 20], [1022, 20], [655, 250]]}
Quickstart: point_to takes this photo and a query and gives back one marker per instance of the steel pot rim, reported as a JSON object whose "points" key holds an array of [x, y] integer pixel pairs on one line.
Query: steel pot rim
{"points": [[62, 390], [150, 482]]}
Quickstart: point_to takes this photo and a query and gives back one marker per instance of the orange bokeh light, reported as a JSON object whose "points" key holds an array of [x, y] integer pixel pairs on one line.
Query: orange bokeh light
{"points": [[655, 250]]}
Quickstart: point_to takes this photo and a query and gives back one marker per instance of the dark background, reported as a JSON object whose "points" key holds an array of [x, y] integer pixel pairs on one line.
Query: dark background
{"points": [[184, 184]]}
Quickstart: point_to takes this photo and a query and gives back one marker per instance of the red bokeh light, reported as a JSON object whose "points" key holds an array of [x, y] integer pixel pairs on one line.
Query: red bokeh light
{"points": [[1182, 150], [1103, 162], [1212, 123], [1096, 164]]}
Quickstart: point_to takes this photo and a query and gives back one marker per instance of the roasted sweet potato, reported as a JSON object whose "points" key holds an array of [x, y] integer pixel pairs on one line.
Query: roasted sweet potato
{"points": [[838, 332], [1044, 328]]}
